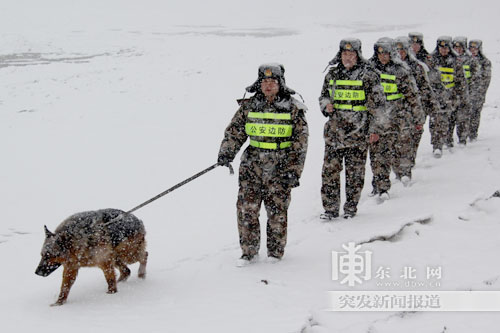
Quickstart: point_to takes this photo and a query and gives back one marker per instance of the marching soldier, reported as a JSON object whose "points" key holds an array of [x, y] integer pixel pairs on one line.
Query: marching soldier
{"points": [[460, 117], [353, 101], [405, 113], [480, 83], [450, 88], [420, 71], [271, 165]]}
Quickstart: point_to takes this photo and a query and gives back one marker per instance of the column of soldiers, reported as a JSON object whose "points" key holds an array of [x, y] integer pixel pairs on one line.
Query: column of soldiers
{"points": [[460, 75], [377, 106], [448, 86]]}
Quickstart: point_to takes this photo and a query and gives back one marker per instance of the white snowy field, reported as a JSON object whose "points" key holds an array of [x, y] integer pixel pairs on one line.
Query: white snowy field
{"points": [[104, 104]]}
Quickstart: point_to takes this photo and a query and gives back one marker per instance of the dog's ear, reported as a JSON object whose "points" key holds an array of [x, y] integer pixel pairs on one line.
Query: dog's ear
{"points": [[48, 234]]}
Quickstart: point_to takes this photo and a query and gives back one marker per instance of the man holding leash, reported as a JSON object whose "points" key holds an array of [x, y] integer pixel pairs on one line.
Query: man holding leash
{"points": [[272, 163]]}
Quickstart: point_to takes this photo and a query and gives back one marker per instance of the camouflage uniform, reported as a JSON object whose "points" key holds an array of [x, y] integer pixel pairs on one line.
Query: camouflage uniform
{"points": [[419, 70], [271, 165], [448, 82], [460, 117], [404, 111], [480, 82], [358, 101]]}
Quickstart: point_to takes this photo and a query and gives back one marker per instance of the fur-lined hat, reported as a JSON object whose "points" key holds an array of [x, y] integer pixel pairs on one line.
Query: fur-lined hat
{"points": [[416, 37], [271, 71], [347, 44], [476, 43]]}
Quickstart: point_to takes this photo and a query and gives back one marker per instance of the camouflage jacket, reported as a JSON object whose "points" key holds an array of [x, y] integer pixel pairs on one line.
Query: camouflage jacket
{"points": [[425, 57], [419, 71], [456, 94], [277, 162], [481, 79], [347, 128], [407, 109]]}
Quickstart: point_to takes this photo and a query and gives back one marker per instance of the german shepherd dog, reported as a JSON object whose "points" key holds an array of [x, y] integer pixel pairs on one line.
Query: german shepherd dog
{"points": [[105, 238]]}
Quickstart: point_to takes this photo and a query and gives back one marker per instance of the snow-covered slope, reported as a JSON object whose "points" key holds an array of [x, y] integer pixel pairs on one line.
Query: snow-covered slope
{"points": [[106, 104]]}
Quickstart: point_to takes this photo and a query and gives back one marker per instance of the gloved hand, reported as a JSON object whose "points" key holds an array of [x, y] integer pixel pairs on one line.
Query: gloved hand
{"points": [[290, 180], [224, 160], [374, 137]]}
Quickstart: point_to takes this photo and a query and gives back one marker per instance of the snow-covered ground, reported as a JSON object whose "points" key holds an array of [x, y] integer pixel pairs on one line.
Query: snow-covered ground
{"points": [[108, 103]]}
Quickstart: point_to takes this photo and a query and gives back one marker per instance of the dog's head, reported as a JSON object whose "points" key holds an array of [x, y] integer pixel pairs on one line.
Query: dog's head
{"points": [[52, 254]]}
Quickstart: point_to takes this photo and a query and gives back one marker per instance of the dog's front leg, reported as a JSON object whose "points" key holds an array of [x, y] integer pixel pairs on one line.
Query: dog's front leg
{"points": [[108, 268], [69, 277]]}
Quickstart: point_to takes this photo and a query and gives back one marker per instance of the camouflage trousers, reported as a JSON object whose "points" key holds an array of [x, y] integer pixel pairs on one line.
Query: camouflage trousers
{"points": [[416, 137], [438, 126], [381, 159], [475, 118], [355, 160], [403, 153], [393, 149], [276, 200], [459, 118]]}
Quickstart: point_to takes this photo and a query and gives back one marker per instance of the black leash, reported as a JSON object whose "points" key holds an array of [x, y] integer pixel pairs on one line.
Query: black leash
{"points": [[179, 185], [184, 182]]}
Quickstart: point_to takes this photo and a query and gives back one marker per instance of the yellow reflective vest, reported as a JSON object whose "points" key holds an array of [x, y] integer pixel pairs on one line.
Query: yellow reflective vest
{"points": [[447, 77], [390, 87], [348, 95], [269, 130]]}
